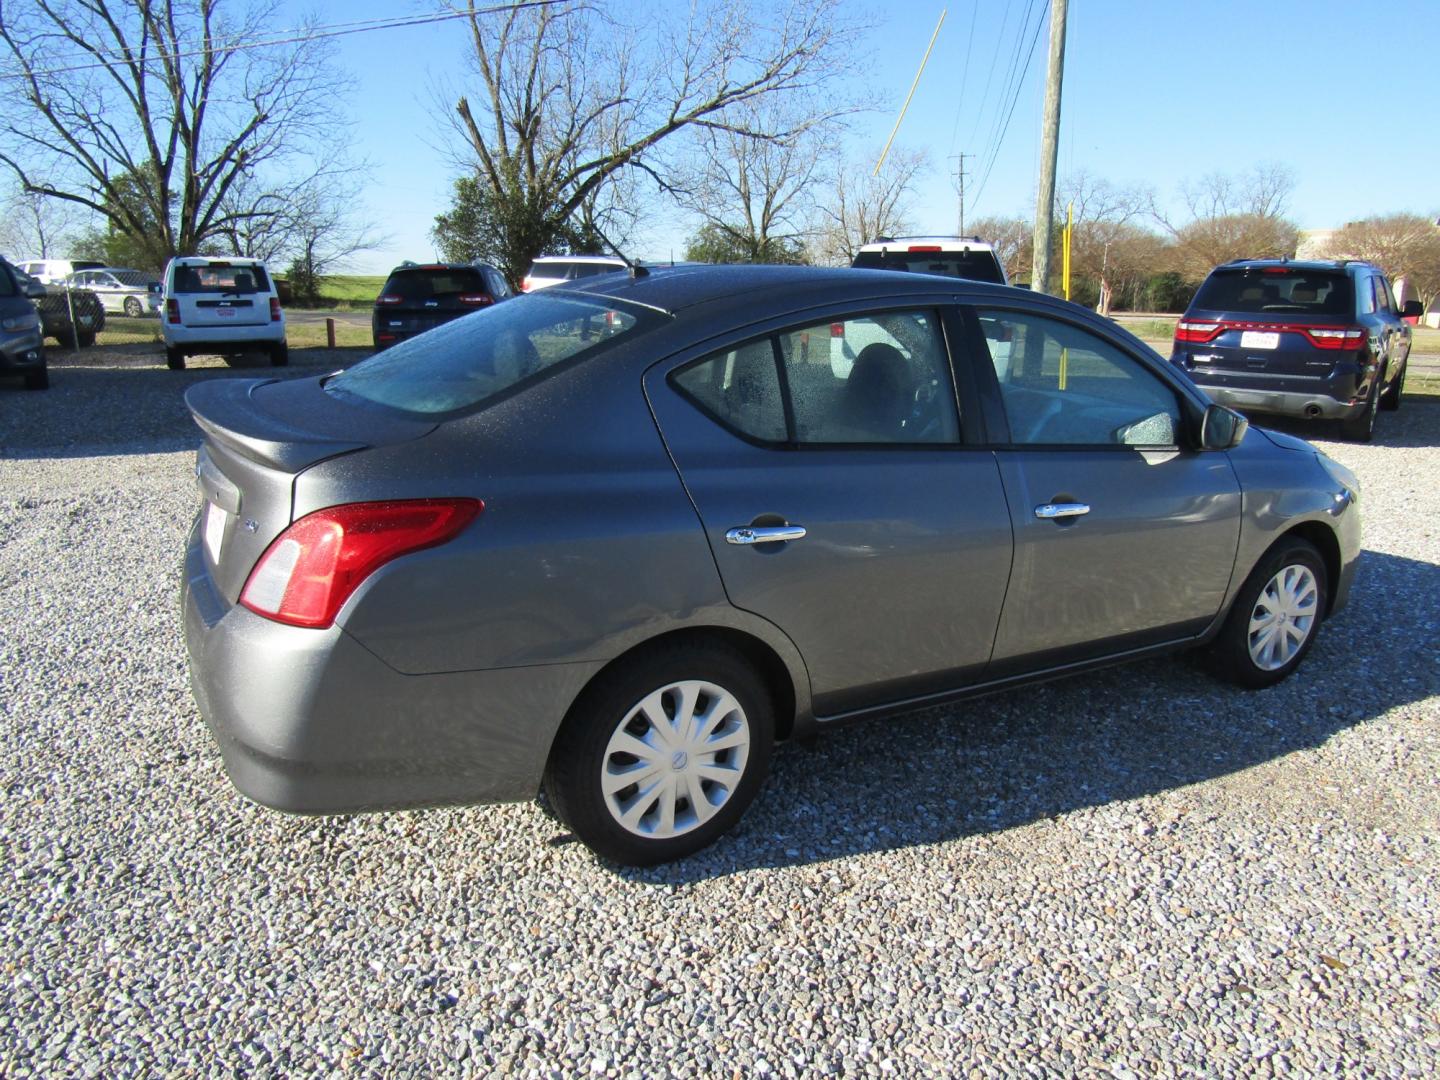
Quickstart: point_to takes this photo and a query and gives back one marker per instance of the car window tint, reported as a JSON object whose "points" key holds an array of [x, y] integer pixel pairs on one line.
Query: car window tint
{"points": [[468, 361], [1276, 290], [221, 277], [741, 389], [972, 265], [434, 284], [1063, 385], [1384, 301], [874, 379]]}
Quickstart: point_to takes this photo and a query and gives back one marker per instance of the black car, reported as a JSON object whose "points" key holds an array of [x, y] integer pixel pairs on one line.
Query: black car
{"points": [[22, 352], [1317, 340], [55, 305], [417, 298]]}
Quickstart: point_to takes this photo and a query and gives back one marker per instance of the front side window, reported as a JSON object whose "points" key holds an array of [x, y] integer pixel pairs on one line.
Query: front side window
{"points": [[1384, 299], [881, 379], [468, 361], [1063, 385]]}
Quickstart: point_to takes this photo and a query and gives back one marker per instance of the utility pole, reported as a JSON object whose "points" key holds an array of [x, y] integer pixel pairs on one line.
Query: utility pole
{"points": [[960, 186], [1049, 151]]}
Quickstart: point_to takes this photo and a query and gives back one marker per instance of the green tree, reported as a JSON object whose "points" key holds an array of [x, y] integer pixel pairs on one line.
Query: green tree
{"points": [[717, 243]]}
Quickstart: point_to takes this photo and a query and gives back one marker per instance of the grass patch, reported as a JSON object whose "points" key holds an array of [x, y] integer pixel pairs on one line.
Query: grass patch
{"points": [[1422, 384], [312, 336], [350, 290]]}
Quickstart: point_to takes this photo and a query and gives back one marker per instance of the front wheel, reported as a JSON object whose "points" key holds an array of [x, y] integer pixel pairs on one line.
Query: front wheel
{"points": [[133, 308], [1390, 400], [1275, 617], [662, 755]]}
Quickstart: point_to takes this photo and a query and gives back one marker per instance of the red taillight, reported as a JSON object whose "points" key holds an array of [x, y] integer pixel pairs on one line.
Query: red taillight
{"points": [[1333, 337], [923, 247], [1197, 333], [387, 299], [274, 309], [475, 299], [311, 569], [172, 311], [837, 329], [525, 284], [387, 337]]}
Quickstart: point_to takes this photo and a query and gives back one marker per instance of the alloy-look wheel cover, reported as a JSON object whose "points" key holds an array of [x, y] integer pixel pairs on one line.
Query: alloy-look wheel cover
{"points": [[675, 759], [1283, 617]]}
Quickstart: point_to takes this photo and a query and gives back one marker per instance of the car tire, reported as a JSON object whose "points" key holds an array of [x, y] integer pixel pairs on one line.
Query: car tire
{"points": [[1390, 400], [1275, 618], [38, 380], [133, 310], [175, 359], [1361, 428], [85, 338], [634, 705], [279, 355]]}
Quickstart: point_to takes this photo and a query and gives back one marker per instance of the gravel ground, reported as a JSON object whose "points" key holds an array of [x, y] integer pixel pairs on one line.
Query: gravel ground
{"points": [[1131, 873]]}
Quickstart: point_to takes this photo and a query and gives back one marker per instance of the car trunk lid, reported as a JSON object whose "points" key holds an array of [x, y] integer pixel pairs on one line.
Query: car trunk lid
{"points": [[260, 434]]}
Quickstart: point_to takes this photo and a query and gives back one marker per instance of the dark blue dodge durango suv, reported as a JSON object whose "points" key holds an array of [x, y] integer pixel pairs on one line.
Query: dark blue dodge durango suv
{"points": [[1319, 340]]}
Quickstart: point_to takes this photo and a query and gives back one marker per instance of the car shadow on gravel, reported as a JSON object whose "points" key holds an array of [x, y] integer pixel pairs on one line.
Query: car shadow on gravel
{"points": [[1416, 424], [1108, 737], [128, 402]]}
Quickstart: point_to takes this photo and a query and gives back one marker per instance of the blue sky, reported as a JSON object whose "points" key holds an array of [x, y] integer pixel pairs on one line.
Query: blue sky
{"points": [[1155, 93]]}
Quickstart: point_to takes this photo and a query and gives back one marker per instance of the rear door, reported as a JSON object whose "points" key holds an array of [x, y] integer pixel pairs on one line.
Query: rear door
{"points": [[842, 502], [1124, 536], [220, 293]]}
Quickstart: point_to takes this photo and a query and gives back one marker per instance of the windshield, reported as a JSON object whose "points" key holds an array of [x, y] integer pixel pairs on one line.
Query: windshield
{"points": [[972, 265], [1278, 290], [221, 277], [468, 361]]}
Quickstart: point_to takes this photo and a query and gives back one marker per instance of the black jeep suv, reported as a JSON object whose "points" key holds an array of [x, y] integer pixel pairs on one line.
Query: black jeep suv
{"points": [[418, 298], [1320, 340]]}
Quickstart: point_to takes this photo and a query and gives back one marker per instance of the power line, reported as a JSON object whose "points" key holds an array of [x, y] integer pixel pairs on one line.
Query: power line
{"points": [[1013, 102], [317, 33], [990, 75], [964, 76], [1011, 84]]}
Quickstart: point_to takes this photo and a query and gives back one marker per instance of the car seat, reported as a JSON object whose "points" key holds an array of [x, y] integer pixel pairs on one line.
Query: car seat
{"points": [[878, 394]]}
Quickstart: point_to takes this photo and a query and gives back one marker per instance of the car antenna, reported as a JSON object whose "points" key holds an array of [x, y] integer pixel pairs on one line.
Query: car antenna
{"points": [[636, 270]]}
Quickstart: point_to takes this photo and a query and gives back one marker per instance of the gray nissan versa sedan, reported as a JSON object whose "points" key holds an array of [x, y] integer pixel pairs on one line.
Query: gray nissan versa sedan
{"points": [[618, 537]]}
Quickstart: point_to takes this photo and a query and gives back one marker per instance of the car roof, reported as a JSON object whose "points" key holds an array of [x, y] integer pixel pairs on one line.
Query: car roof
{"points": [[1294, 264], [607, 260], [209, 260], [411, 267], [673, 289], [946, 243]]}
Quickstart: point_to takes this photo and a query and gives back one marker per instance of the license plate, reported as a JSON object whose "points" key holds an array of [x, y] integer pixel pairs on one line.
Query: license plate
{"points": [[229, 313], [215, 519], [1256, 339]]}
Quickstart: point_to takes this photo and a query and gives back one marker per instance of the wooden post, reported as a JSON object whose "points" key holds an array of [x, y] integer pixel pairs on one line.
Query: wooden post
{"points": [[330, 333], [1049, 151]]}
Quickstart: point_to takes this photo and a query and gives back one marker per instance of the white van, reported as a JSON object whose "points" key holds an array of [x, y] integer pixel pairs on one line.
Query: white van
{"points": [[227, 306], [55, 271]]}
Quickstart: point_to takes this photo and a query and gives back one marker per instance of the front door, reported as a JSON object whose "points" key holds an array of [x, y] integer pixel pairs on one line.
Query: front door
{"points": [[1124, 535], [827, 467]]}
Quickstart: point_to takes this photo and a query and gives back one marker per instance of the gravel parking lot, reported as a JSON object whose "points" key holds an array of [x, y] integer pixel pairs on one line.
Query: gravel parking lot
{"points": [[1130, 873]]}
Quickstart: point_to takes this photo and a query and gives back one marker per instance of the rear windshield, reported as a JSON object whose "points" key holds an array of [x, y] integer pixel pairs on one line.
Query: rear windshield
{"points": [[221, 277], [1281, 290], [470, 360], [972, 265], [434, 284]]}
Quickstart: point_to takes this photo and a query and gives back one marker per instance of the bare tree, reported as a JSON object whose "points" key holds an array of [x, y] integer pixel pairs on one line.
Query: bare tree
{"points": [[755, 196], [150, 112], [1106, 243], [863, 206], [1403, 245], [34, 226], [1233, 217], [1013, 239], [570, 98]]}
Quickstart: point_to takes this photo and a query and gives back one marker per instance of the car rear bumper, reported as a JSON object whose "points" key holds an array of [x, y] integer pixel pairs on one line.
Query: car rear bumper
{"points": [[1315, 405], [222, 338], [312, 722]]}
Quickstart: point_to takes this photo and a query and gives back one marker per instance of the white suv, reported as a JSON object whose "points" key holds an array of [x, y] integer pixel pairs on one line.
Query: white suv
{"points": [[953, 256], [550, 270], [226, 306]]}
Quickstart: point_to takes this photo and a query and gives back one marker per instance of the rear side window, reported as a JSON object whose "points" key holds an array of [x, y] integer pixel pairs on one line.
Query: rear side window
{"points": [[878, 379], [435, 284], [469, 361], [221, 277], [1277, 290], [972, 265]]}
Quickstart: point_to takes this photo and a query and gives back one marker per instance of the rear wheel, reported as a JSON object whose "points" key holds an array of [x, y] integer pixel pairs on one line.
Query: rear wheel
{"points": [[38, 380], [1361, 427], [133, 308], [1390, 400], [280, 354], [175, 359], [1275, 617], [85, 338], [662, 755]]}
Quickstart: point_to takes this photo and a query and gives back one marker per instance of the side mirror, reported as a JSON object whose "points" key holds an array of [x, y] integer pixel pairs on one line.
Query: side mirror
{"points": [[1222, 428], [1413, 309], [34, 290]]}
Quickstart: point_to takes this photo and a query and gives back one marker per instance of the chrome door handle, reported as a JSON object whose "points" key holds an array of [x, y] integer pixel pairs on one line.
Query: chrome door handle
{"points": [[1051, 511], [764, 534]]}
